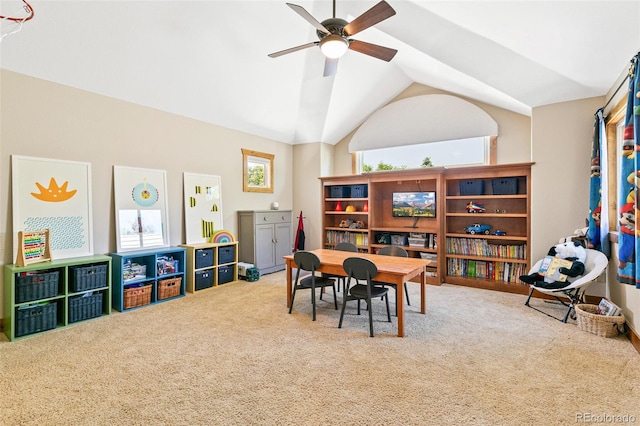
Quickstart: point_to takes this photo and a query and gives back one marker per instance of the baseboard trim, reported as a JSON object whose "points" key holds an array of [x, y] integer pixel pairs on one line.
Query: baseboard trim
{"points": [[634, 338]]}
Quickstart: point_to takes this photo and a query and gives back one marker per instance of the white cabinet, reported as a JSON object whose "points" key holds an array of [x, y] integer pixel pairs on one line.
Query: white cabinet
{"points": [[264, 237]]}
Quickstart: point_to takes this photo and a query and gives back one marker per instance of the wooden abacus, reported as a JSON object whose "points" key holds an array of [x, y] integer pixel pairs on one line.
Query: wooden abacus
{"points": [[33, 247]]}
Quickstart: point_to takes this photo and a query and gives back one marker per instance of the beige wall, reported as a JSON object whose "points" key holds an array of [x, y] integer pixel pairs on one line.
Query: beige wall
{"points": [[307, 167], [43, 119], [561, 139]]}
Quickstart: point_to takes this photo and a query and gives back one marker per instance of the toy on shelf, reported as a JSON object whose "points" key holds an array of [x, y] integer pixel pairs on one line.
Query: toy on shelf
{"points": [[33, 247], [473, 207], [478, 228]]}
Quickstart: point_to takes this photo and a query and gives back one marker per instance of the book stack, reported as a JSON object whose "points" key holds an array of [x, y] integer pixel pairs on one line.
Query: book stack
{"points": [[608, 308]]}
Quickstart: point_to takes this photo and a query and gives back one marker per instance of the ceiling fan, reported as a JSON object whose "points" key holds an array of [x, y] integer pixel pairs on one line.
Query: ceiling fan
{"points": [[334, 35]]}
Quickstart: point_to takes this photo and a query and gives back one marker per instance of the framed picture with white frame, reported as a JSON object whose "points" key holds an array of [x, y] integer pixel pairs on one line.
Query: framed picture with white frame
{"points": [[202, 207], [53, 195], [142, 213]]}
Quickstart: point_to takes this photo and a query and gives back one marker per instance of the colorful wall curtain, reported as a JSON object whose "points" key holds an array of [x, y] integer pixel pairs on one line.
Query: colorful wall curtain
{"points": [[628, 229], [598, 232]]}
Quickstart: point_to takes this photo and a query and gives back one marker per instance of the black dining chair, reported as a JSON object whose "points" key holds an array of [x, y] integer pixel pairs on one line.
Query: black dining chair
{"points": [[400, 252], [344, 246], [362, 269], [307, 261]]}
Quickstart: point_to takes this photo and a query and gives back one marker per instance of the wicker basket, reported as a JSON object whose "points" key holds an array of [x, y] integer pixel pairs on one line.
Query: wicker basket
{"points": [[602, 325], [169, 287], [137, 296]]}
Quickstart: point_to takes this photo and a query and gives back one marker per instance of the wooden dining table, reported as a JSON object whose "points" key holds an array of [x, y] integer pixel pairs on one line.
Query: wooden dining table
{"points": [[391, 269]]}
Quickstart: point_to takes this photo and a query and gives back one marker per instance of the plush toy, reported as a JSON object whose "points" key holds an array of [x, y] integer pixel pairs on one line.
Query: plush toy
{"points": [[570, 250]]}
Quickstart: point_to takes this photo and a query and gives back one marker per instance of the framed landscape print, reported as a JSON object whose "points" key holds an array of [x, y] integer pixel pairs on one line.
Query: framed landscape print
{"points": [[202, 207], [142, 218], [53, 195]]}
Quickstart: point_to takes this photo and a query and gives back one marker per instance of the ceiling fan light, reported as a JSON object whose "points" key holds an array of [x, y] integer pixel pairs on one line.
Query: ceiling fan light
{"points": [[333, 46]]}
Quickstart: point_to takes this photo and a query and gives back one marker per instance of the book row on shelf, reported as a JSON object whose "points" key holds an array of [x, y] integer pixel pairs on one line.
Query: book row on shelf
{"points": [[497, 271], [357, 238], [481, 247]]}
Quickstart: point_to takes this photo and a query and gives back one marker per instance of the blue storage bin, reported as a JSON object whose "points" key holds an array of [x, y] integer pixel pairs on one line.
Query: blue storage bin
{"points": [[471, 187], [504, 186], [226, 254], [359, 191], [225, 274], [340, 191]]}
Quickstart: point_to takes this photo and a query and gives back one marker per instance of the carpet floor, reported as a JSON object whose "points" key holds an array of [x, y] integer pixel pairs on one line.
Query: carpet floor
{"points": [[232, 355]]}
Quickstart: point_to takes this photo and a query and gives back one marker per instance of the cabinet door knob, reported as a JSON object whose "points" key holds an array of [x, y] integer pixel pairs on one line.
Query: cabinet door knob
{"points": [[264, 218]]}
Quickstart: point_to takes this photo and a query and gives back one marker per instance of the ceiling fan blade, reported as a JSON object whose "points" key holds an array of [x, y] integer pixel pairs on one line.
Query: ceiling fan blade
{"points": [[330, 67], [307, 16], [377, 13], [380, 52], [293, 49]]}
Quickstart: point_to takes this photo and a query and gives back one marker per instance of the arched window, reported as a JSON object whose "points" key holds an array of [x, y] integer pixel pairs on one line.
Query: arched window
{"points": [[439, 130]]}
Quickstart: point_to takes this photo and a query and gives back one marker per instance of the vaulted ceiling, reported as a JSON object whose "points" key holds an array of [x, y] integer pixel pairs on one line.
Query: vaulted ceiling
{"points": [[208, 59]]}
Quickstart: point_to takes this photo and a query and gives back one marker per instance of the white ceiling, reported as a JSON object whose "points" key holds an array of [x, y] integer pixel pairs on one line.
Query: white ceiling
{"points": [[208, 59]]}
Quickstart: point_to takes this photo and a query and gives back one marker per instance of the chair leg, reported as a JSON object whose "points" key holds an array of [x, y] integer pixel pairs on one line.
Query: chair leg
{"points": [[293, 296], [313, 301], [344, 304], [566, 316], [574, 299], [529, 298], [406, 293], [386, 298], [335, 297], [370, 318]]}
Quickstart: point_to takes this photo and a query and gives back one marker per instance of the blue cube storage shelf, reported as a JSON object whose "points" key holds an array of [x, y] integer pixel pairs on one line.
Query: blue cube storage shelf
{"points": [[137, 273]]}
